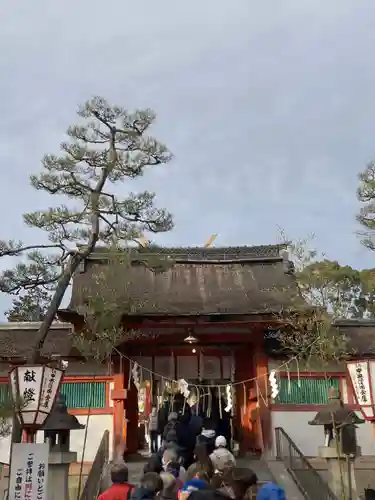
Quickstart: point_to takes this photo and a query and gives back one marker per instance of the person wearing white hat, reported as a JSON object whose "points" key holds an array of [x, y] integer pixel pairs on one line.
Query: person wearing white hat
{"points": [[222, 457]]}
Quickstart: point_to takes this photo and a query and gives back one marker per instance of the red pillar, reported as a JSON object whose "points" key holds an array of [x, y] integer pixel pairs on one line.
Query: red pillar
{"points": [[118, 396], [244, 371], [264, 413], [131, 411]]}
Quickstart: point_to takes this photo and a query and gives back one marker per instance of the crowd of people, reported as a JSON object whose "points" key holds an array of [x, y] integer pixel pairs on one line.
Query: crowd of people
{"points": [[192, 463]]}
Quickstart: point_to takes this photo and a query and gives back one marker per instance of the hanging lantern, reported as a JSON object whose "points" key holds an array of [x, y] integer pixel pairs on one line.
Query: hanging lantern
{"points": [[274, 385], [190, 339], [34, 390]]}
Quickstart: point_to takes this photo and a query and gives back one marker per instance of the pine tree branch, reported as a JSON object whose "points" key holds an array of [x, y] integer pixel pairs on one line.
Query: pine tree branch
{"points": [[81, 174], [12, 249]]}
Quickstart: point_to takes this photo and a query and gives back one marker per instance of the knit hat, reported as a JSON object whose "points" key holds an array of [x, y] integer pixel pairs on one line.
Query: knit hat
{"points": [[172, 416], [194, 484], [220, 442], [271, 491]]}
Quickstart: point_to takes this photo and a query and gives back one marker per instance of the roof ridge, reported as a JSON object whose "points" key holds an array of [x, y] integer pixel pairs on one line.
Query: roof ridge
{"points": [[200, 253], [196, 247]]}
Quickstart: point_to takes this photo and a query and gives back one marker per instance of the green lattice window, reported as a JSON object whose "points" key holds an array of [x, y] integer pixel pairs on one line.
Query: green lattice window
{"points": [[84, 394], [5, 395], [77, 394], [305, 391]]}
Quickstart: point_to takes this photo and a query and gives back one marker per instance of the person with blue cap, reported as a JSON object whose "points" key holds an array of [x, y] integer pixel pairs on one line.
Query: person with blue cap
{"points": [[194, 484], [271, 491]]}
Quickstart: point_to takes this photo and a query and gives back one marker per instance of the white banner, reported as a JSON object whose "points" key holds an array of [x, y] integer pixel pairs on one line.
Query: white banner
{"points": [[29, 471], [361, 382]]}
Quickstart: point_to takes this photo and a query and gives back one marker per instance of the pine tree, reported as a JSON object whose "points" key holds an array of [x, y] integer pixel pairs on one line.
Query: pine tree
{"points": [[108, 147], [30, 306]]}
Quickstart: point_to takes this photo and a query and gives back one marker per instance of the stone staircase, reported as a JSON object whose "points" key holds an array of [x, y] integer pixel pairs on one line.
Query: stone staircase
{"points": [[266, 471]]}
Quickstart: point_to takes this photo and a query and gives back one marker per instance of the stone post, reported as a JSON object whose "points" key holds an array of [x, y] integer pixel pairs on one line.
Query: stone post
{"points": [[57, 433], [340, 472], [340, 444], [58, 474]]}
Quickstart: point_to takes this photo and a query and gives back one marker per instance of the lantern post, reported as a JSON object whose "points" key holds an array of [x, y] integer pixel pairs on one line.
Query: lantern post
{"points": [[361, 376], [57, 430], [34, 389]]}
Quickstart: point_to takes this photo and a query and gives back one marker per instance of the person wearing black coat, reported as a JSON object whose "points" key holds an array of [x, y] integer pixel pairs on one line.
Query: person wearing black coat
{"points": [[207, 436], [186, 439]]}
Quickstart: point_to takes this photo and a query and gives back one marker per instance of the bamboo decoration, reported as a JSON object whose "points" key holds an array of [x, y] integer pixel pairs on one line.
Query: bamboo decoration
{"points": [[198, 399], [172, 404], [158, 395], [209, 404], [220, 407]]}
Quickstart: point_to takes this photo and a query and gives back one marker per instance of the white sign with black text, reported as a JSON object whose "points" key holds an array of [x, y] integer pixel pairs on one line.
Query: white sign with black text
{"points": [[29, 471]]}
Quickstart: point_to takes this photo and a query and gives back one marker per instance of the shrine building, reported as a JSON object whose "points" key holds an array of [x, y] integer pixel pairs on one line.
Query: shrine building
{"points": [[210, 318]]}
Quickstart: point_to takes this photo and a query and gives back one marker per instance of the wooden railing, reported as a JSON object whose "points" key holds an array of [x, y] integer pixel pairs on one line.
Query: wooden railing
{"points": [[92, 485]]}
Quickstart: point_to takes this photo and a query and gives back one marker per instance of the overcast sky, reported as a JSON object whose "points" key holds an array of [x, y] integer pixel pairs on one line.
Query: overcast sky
{"points": [[268, 107]]}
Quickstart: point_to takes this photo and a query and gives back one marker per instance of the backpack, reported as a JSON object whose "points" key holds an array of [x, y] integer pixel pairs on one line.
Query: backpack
{"points": [[170, 433]]}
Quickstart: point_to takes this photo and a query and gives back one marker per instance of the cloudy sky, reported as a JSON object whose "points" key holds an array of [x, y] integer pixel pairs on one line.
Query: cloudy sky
{"points": [[268, 107]]}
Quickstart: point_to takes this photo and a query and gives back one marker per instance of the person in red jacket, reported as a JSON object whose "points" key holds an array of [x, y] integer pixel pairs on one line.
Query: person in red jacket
{"points": [[120, 489]]}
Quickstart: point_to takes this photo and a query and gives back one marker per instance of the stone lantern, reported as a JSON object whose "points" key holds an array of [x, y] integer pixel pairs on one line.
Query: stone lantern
{"points": [[57, 433], [340, 443]]}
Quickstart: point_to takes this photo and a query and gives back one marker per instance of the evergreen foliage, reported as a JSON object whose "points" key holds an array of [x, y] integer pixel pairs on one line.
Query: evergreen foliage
{"points": [[108, 147]]}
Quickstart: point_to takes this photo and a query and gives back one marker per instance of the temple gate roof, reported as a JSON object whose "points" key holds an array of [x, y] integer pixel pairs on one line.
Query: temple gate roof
{"points": [[199, 281]]}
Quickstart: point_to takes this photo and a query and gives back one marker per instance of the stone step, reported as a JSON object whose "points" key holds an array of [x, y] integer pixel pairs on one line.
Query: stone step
{"points": [[284, 479]]}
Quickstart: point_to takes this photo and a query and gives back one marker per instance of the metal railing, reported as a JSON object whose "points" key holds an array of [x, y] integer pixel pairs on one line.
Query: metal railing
{"points": [[92, 485], [308, 480]]}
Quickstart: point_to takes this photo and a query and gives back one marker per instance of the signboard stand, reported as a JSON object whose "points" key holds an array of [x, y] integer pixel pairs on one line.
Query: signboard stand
{"points": [[29, 471]]}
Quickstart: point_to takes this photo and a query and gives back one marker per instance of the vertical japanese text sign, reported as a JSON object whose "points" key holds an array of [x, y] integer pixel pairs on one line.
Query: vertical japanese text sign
{"points": [[28, 479], [36, 387]]}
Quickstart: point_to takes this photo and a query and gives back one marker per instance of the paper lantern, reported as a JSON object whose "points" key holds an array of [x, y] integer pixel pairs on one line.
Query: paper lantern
{"points": [[34, 390]]}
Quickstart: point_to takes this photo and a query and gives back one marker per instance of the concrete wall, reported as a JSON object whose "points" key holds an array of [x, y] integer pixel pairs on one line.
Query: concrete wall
{"points": [[308, 438], [97, 424]]}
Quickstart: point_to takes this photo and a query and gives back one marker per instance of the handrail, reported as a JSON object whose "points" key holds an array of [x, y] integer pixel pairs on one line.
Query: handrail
{"points": [[92, 485], [308, 480]]}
